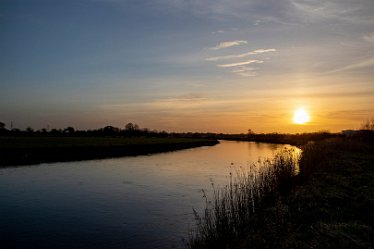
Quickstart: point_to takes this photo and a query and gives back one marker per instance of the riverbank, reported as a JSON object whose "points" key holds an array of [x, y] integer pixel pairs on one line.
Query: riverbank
{"points": [[35, 150], [329, 204], [279, 138]]}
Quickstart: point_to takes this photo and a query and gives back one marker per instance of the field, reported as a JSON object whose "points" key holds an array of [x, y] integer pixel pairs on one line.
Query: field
{"points": [[73, 142], [33, 150]]}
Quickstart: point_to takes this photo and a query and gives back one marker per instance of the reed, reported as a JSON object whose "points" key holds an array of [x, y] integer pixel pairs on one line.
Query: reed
{"points": [[320, 199], [234, 208]]}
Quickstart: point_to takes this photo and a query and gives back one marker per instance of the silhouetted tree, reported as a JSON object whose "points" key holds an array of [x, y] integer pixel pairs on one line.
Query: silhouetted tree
{"points": [[29, 129], [69, 130], [110, 131], [55, 132], [250, 133], [163, 134], [16, 131], [3, 131], [368, 125], [132, 130], [145, 131], [131, 127]]}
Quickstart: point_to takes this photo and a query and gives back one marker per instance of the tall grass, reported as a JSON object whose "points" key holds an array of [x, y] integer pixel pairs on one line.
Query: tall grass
{"points": [[265, 205], [233, 209]]}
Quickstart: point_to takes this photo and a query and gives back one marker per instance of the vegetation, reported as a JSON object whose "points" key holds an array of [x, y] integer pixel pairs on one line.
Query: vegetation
{"points": [[129, 130], [38, 149], [79, 142], [133, 130], [297, 139], [278, 138], [234, 208], [368, 125], [19, 147], [329, 204], [29, 146], [323, 199]]}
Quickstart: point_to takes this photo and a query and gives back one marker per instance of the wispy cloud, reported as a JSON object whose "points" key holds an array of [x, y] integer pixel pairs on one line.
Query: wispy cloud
{"points": [[248, 74], [369, 37], [221, 31], [191, 97], [348, 10], [259, 11], [242, 63], [245, 71], [228, 44], [356, 65], [254, 52], [353, 114], [240, 68], [261, 50]]}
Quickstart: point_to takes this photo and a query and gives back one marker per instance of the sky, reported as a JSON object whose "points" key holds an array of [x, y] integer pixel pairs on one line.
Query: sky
{"points": [[187, 65]]}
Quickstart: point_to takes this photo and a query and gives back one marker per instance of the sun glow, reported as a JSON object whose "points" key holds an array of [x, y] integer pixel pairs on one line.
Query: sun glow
{"points": [[301, 116]]}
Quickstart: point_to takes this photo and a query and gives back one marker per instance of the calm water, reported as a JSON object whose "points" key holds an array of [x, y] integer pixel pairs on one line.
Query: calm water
{"points": [[131, 202]]}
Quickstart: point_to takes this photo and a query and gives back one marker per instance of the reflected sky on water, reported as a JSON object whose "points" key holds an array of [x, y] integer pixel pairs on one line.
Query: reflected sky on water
{"points": [[129, 202]]}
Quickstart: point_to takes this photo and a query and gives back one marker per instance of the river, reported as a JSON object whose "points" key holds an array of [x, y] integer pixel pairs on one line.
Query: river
{"points": [[131, 202]]}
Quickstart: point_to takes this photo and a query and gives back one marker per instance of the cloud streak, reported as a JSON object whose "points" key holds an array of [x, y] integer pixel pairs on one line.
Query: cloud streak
{"points": [[242, 69], [245, 71], [347, 10], [369, 37], [228, 44], [236, 56], [218, 32], [242, 63], [356, 65]]}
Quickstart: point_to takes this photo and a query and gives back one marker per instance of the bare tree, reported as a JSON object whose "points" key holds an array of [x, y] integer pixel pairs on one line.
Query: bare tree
{"points": [[368, 125]]}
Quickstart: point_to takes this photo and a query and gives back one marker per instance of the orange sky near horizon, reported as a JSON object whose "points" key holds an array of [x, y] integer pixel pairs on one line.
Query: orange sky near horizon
{"points": [[201, 66]]}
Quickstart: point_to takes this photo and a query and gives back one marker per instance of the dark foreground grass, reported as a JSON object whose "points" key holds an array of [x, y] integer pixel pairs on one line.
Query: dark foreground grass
{"points": [[329, 204], [233, 210], [33, 150]]}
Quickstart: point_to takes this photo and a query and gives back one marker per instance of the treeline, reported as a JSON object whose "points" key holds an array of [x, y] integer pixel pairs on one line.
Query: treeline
{"points": [[284, 138], [279, 138], [133, 130], [129, 130], [295, 139]]}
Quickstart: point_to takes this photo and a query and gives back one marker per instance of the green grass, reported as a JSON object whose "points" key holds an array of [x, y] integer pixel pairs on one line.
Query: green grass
{"points": [[68, 142]]}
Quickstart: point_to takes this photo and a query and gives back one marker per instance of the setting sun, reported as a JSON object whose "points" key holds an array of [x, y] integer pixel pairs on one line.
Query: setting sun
{"points": [[301, 116]]}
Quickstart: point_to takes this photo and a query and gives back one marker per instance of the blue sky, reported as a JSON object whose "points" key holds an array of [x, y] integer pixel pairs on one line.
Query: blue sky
{"points": [[222, 66]]}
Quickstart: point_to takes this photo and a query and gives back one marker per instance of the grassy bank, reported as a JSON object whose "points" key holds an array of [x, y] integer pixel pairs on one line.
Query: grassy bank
{"points": [[329, 204], [33, 150]]}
